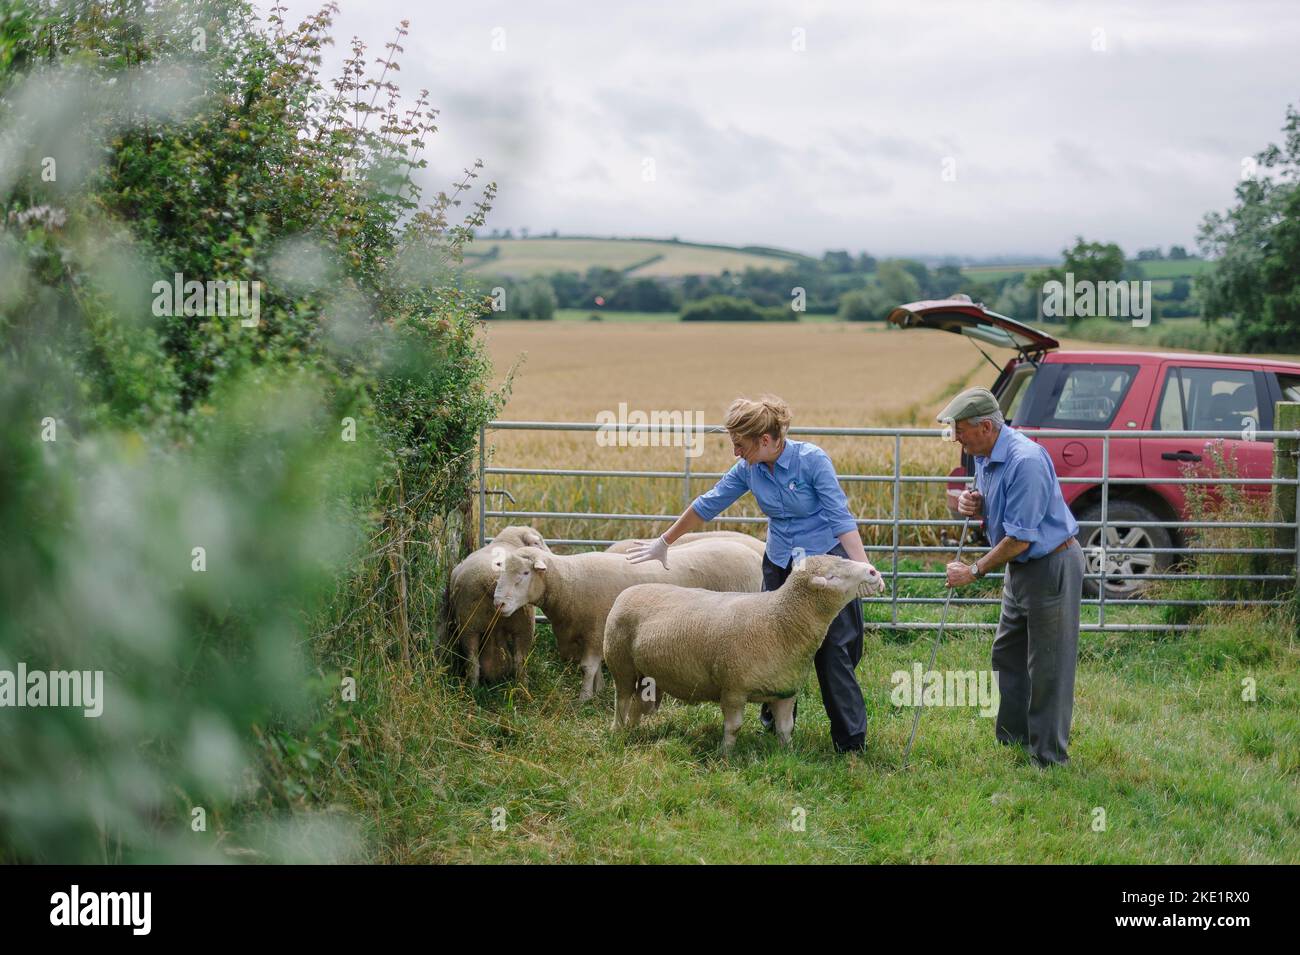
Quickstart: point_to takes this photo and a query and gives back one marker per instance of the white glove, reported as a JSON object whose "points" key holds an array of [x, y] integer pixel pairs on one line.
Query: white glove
{"points": [[656, 549], [873, 585]]}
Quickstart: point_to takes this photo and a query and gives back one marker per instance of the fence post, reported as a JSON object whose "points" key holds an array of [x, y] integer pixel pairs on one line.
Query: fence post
{"points": [[893, 590], [1286, 497], [482, 487], [1105, 532], [686, 475]]}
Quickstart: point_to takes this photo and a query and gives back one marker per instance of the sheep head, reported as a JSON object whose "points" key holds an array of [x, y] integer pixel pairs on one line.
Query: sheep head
{"points": [[838, 578], [522, 579], [518, 535]]}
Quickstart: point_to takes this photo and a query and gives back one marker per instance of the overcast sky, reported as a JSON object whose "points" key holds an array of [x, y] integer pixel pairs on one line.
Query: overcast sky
{"points": [[844, 144]]}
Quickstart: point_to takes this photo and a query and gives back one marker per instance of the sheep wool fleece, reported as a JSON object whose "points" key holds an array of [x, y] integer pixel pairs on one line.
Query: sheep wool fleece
{"points": [[836, 665]]}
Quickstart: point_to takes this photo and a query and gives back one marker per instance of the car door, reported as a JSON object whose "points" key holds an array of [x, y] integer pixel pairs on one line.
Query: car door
{"points": [[1083, 396], [1208, 397]]}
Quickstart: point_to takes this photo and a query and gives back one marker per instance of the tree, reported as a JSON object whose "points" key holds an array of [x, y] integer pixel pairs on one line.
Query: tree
{"points": [[536, 300], [945, 280], [727, 308], [1019, 300], [318, 447], [837, 261], [861, 305], [644, 295], [1255, 247], [1094, 261], [897, 284], [917, 270]]}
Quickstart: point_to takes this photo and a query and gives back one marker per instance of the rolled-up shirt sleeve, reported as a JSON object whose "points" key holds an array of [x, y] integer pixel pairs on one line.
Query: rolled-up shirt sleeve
{"points": [[834, 502], [723, 494], [1028, 486]]}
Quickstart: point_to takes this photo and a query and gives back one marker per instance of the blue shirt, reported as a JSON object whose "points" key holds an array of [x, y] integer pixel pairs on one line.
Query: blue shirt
{"points": [[801, 497], [1022, 497]]}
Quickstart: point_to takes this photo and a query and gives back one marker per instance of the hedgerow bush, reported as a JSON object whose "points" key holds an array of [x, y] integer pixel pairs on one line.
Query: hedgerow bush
{"points": [[184, 499]]}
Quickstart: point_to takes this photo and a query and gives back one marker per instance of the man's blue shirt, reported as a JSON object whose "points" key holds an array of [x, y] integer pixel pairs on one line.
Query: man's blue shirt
{"points": [[1022, 497], [802, 498]]}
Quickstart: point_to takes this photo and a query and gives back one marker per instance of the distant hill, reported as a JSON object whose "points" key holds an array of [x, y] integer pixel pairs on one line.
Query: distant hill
{"points": [[650, 258], [667, 258]]}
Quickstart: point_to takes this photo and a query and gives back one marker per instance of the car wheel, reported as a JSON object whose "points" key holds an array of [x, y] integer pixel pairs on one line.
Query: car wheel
{"points": [[1128, 526]]}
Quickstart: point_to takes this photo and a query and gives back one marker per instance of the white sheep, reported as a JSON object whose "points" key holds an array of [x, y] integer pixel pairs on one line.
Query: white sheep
{"points": [[492, 648], [575, 591], [626, 546], [732, 648]]}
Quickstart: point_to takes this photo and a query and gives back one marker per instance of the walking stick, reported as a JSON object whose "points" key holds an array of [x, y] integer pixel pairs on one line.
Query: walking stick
{"points": [[934, 650]]}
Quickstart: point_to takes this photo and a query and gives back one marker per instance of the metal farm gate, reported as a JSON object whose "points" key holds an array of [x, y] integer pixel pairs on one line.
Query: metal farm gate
{"points": [[1287, 558]]}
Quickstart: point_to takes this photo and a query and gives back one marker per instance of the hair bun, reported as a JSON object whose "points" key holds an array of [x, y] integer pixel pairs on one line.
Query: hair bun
{"points": [[768, 414]]}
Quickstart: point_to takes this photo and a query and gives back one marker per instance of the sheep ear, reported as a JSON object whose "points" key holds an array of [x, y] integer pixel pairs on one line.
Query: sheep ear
{"points": [[534, 538], [539, 564], [818, 581], [498, 558]]}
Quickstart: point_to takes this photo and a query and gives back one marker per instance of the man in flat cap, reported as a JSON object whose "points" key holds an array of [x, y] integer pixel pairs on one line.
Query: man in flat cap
{"points": [[1032, 532]]}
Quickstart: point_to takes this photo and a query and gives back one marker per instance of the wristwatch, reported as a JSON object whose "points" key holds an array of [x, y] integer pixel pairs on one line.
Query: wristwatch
{"points": [[975, 570]]}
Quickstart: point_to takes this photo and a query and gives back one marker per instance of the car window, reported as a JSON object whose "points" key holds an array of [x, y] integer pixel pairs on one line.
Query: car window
{"points": [[1014, 396], [1290, 385], [1088, 396], [1171, 405], [1209, 399]]}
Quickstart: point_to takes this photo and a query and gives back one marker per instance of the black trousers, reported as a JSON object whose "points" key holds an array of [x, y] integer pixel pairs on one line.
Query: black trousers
{"points": [[836, 663]]}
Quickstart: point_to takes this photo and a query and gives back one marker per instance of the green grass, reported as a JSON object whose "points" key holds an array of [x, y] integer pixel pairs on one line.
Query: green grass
{"points": [[1170, 333], [1184, 769], [609, 315], [1174, 268]]}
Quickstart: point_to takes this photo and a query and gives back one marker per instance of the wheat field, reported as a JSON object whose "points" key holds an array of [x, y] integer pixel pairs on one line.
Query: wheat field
{"points": [[831, 374]]}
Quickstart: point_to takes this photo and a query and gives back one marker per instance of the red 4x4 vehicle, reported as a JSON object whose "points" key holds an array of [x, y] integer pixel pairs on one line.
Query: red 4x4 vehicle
{"points": [[1043, 387]]}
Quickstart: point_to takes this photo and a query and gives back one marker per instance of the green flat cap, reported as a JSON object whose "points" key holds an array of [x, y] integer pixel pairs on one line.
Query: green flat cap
{"points": [[969, 404]]}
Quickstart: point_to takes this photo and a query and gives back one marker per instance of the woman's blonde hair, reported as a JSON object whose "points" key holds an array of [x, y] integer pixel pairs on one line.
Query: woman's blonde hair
{"points": [[752, 419]]}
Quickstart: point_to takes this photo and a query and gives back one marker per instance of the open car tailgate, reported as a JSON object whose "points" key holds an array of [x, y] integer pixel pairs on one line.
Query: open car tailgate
{"points": [[961, 316]]}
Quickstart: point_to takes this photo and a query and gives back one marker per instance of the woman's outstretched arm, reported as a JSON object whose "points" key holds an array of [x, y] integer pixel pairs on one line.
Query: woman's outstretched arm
{"points": [[657, 549], [702, 510]]}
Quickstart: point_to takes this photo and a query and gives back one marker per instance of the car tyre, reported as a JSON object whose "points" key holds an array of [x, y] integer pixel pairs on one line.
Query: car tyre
{"points": [[1128, 525]]}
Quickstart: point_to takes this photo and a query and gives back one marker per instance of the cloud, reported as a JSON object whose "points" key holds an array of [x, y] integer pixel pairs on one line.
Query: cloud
{"points": [[840, 144]]}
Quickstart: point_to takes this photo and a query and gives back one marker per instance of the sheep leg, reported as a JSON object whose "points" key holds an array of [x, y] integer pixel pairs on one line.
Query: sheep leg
{"points": [[626, 711], [651, 705], [520, 662], [470, 644], [590, 677], [783, 718], [733, 714]]}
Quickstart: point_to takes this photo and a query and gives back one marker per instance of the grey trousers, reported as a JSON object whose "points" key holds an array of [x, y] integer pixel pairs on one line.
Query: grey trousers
{"points": [[1036, 650]]}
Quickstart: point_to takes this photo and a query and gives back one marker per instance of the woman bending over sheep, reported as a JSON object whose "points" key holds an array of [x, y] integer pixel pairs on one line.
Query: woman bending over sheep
{"points": [[795, 485]]}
